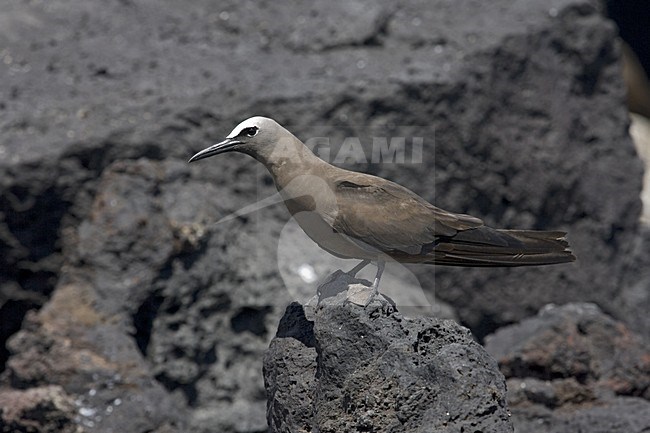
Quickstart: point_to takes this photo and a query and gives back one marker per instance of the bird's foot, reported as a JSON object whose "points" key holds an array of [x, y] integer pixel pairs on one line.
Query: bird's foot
{"points": [[353, 290], [363, 296], [333, 285]]}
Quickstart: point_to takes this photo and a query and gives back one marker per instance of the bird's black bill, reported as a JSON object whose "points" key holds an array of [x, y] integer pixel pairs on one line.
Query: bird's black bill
{"points": [[216, 149]]}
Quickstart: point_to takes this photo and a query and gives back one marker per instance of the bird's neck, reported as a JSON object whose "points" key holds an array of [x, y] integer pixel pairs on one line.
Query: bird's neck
{"points": [[288, 159]]}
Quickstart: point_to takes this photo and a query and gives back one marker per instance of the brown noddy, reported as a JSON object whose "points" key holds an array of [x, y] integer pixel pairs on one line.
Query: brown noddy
{"points": [[359, 216]]}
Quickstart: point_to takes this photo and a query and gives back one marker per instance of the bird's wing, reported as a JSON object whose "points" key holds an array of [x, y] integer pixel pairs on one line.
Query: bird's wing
{"points": [[390, 217]]}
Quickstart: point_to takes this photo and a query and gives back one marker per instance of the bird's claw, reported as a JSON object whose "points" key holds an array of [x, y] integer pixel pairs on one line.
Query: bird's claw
{"points": [[363, 296]]}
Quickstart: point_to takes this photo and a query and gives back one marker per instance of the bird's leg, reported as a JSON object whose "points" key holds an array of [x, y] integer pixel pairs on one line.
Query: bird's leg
{"points": [[380, 270], [375, 284], [353, 272]]}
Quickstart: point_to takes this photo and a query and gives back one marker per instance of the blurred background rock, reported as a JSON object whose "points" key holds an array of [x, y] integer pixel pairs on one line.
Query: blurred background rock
{"points": [[118, 293]]}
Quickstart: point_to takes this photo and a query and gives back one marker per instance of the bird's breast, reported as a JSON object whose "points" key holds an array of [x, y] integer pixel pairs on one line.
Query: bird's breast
{"points": [[308, 193], [304, 203], [338, 244]]}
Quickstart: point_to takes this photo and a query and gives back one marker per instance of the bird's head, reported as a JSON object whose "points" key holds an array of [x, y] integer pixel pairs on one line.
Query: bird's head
{"points": [[257, 136]]}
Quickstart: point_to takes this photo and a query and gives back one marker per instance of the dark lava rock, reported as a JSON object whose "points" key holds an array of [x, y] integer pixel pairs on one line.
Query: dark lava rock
{"points": [[620, 415], [520, 107], [93, 359], [573, 368], [346, 368], [143, 324], [37, 410]]}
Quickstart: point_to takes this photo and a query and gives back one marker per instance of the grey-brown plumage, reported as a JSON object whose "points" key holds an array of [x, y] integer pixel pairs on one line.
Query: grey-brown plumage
{"points": [[359, 216]]}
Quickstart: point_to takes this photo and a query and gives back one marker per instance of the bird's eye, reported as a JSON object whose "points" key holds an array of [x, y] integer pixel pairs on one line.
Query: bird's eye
{"points": [[250, 132]]}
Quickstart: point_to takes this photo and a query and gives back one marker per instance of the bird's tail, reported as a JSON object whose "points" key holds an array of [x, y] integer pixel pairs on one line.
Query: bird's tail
{"points": [[489, 247]]}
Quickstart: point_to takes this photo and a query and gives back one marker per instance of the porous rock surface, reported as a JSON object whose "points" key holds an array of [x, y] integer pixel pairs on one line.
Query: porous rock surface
{"points": [[116, 285], [342, 367], [43, 409], [573, 368]]}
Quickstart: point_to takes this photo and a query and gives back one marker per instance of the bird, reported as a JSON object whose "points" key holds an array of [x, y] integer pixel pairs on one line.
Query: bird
{"points": [[354, 215]]}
